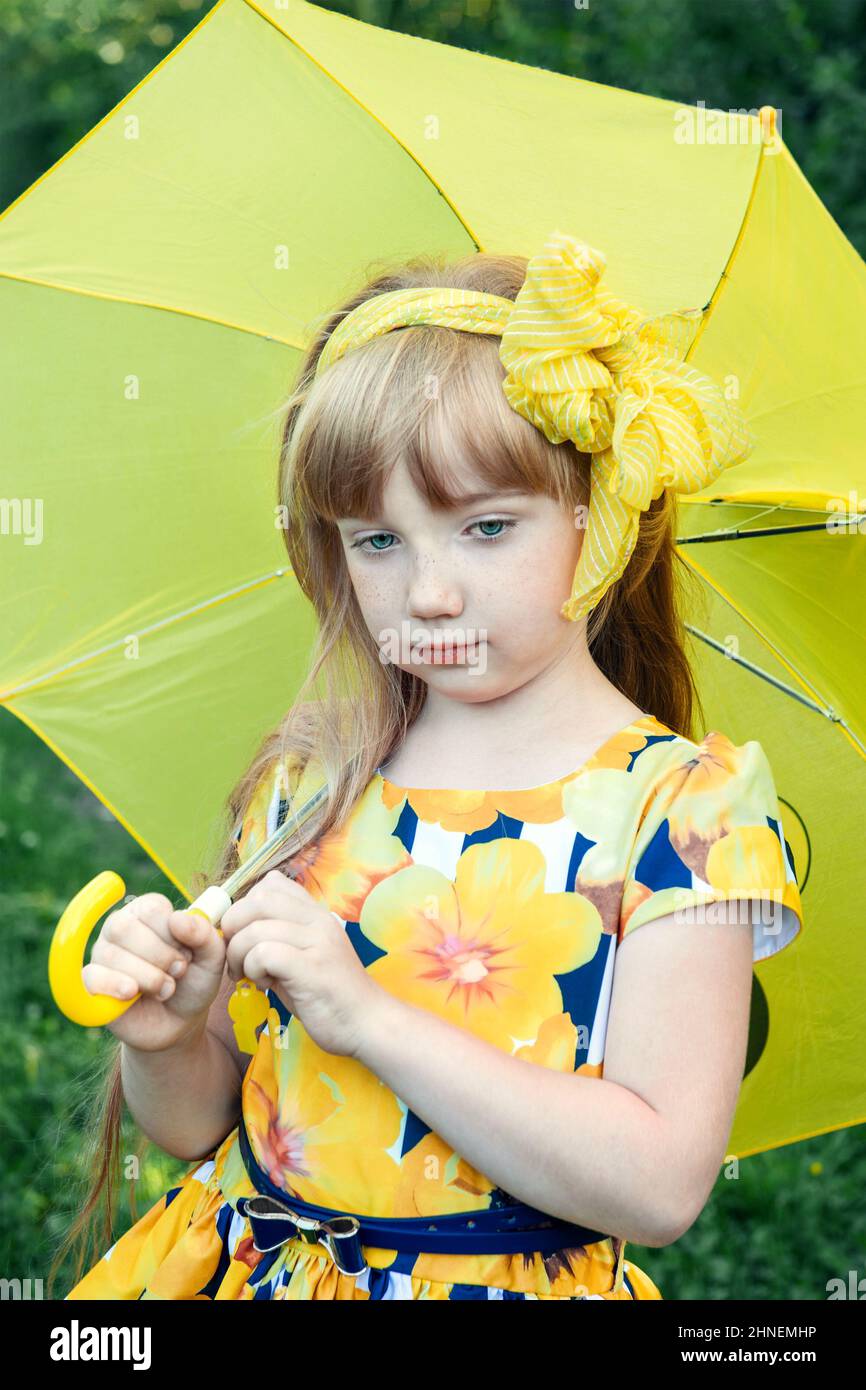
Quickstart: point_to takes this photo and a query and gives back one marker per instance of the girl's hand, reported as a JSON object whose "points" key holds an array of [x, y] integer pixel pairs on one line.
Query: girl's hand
{"points": [[135, 952], [281, 938]]}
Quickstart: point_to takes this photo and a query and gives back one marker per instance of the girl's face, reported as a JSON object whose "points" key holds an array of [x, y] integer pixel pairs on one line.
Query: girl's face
{"points": [[468, 599]]}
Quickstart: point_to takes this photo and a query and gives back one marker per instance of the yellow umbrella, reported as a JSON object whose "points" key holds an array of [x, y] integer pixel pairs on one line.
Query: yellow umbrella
{"points": [[164, 277]]}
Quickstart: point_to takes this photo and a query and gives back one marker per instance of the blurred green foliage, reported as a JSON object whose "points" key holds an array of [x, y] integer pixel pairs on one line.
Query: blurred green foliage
{"points": [[794, 1217], [65, 63]]}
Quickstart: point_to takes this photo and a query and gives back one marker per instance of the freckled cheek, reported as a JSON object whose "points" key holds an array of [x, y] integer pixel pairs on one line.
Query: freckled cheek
{"points": [[545, 576], [530, 601], [376, 599]]}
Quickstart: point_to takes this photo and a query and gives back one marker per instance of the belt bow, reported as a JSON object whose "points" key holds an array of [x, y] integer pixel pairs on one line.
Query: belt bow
{"points": [[272, 1223]]}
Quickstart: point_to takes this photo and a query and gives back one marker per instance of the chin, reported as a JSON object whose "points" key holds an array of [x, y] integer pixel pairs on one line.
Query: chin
{"points": [[463, 687]]}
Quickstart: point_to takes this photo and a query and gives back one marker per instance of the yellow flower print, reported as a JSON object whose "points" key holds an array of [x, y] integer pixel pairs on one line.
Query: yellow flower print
{"points": [[247, 1257], [468, 811], [301, 1109], [704, 791], [617, 752], [712, 794], [341, 868], [435, 1181], [716, 805], [555, 1045], [229, 1170], [604, 802], [748, 863], [595, 1069], [481, 952], [453, 810], [602, 805]]}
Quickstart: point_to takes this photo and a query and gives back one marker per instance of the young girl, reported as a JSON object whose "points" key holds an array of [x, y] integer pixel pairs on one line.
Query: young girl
{"points": [[508, 962]]}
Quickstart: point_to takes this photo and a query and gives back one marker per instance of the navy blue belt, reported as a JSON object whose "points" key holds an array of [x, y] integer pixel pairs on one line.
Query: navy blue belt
{"points": [[276, 1216]]}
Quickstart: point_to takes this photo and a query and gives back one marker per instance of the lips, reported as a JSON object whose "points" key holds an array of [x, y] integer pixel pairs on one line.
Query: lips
{"points": [[452, 651]]}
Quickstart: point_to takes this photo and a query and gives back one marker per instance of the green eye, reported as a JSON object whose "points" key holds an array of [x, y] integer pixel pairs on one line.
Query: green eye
{"points": [[368, 540], [370, 544], [504, 522]]}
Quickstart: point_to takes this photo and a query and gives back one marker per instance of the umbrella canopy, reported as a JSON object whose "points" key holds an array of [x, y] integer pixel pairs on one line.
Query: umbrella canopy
{"points": [[165, 276]]}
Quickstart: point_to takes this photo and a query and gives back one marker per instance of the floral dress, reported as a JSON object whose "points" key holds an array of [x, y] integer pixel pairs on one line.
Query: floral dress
{"points": [[535, 891]]}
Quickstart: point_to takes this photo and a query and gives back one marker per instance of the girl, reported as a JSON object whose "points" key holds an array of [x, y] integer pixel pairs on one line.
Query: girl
{"points": [[508, 962]]}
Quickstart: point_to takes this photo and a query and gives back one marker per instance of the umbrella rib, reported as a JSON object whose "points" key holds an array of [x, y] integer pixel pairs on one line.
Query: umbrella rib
{"points": [[819, 704], [152, 304], [764, 675], [372, 114], [827, 710], [153, 627], [733, 533], [727, 270]]}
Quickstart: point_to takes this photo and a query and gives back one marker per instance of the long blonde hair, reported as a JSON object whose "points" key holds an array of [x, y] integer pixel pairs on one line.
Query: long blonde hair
{"points": [[421, 394]]}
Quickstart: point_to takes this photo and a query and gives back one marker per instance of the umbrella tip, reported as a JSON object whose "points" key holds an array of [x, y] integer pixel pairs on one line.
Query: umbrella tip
{"points": [[767, 117]]}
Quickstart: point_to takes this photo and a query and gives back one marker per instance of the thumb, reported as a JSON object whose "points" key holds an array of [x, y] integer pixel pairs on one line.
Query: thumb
{"points": [[199, 936]]}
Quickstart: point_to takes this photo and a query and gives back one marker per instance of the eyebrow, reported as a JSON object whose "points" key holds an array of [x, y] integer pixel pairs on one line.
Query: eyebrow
{"points": [[468, 498]]}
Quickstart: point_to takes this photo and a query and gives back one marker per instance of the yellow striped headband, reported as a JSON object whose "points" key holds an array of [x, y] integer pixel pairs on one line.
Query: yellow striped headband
{"points": [[584, 366]]}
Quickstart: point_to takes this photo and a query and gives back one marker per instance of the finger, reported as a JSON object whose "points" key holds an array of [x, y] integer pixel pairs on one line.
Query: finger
{"points": [[199, 936], [290, 885], [133, 935], [243, 941], [149, 979], [151, 909], [271, 961], [155, 910], [268, 900], [98, 979], [274, 887], [291, 934], [147, 902], [281, 878]]}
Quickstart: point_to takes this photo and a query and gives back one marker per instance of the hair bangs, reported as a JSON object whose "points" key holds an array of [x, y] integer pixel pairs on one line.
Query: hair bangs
{"points": [[432, 397]]}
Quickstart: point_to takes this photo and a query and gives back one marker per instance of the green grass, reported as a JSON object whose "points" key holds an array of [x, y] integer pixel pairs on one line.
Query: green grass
{"points": [[793, 1219]]}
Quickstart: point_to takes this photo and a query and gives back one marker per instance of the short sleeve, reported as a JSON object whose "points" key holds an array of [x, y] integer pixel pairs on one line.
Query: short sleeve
{"points": [[711, 832]]}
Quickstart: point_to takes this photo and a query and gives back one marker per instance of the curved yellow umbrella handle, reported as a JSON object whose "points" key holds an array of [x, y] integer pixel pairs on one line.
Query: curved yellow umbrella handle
{"points": [[66, 956], [69, 942]]}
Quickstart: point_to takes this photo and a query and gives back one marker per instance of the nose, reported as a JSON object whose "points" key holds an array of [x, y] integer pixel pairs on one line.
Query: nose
{"points": [[432, 589]]}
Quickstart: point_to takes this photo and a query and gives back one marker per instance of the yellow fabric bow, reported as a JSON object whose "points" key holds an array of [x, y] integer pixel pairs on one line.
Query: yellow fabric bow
{"points": [[582, 365]]}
